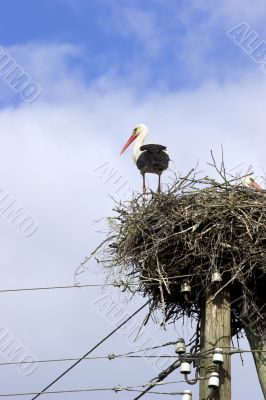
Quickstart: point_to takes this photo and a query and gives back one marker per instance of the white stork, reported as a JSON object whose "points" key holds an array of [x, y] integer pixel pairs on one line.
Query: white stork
{"points": [[250, 183], [149, 158]]}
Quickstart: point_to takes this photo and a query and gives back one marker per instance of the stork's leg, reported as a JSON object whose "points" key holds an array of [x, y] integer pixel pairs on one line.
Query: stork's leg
{"points": [[159, 184], [144, 184]]}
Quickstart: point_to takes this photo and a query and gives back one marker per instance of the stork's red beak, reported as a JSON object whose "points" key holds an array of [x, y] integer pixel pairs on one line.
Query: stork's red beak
{"points": [[130, 140], [255, 185]]}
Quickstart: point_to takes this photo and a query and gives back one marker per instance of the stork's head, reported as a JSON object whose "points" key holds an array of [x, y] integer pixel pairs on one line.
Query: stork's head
{"points": [[249, 182], [139, 130]]}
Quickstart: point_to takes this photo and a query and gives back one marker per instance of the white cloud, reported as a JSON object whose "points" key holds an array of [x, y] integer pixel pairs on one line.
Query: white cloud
{"points": [[140, 24], [203, 44], [189, 34], [224, 11], [241, 10]]}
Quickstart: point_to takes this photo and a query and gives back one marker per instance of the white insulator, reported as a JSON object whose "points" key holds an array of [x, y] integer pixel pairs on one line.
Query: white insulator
{"points": [[216, 277], [218, 357], [187, 395], [214, 381], [185, 287], [180, 347], [185, 368]]}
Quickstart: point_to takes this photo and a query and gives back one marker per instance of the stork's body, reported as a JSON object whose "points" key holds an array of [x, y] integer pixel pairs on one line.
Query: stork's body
{"points": [[149, 158]]}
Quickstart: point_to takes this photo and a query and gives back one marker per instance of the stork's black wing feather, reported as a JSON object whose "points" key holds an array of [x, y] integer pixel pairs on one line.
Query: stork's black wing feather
{"points": [[153, 148], [153, 158]]}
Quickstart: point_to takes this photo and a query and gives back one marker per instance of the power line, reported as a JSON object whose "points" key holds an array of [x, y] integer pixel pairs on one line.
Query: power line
{"points": [[91, 350], [159, 378], [160, 393], [116, 389], [110, 357], [94, 390], [131, 355], [77, 286], [51, 288]]}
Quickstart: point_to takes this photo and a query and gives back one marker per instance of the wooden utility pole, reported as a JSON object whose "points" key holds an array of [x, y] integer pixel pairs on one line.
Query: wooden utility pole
{"points": [[216, 333]]}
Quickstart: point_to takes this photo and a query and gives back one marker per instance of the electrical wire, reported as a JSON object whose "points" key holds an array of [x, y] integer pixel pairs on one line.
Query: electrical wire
{"points": [[91, 350], [116, 389], [96, 285], [130, 355], [110, 357], [160, 393], [160, 378], [51, 288], [168, 371], [154, 383]]}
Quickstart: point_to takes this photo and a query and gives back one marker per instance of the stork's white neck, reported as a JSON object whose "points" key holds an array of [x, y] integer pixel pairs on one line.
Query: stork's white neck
{"points": [[138, 143]]}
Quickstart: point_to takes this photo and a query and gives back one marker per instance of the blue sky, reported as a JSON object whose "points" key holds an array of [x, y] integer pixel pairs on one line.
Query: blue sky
{"points": [[103, 66], [150, 44]]}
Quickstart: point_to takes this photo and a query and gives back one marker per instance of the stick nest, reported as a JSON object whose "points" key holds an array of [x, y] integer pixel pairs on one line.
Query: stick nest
{"points": [[194, 229]]}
